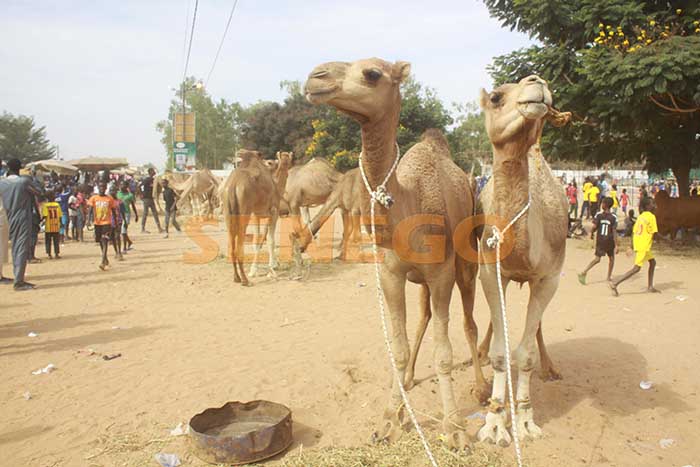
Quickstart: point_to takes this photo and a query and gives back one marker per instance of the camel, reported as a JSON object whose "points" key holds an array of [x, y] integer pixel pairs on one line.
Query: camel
{"points": [[426, 182], [515, 115], [344, 197], [250, 191], [201, 187], [310, 185]]}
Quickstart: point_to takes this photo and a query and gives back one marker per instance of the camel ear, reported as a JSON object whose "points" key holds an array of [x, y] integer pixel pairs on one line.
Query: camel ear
{"points": [[400, 71], [483, 99]]}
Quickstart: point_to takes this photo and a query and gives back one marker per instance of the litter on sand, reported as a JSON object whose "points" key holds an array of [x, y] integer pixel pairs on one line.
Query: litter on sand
{"points": [[47, 369], [476, 416], [361, 284], [27, 395], [32, 334], [666, 443], [646, 385], [179, 430], [681, 298], [167, 460], [111, 357]]}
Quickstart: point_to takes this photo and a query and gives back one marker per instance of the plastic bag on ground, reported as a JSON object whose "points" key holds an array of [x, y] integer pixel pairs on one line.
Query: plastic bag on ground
{"points": [[167, 460]]}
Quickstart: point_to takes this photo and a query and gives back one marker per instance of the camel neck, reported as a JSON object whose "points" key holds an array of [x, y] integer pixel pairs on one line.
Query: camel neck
{"points": [[511, 184], [281, 177], [379, 146]]}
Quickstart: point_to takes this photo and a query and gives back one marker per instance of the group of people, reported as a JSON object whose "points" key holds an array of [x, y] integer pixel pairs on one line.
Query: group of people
{"points": [[63, 208], [607, 244]]}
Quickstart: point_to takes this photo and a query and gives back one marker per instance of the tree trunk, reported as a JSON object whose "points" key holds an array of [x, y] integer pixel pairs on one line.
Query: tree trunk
{"points": [[681, 169]]}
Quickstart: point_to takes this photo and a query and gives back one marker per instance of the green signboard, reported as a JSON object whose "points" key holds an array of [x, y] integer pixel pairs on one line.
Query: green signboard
{"points": [[185, 155]]}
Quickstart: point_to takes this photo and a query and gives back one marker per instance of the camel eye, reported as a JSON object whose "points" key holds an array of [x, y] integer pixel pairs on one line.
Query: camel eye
{"points": [[495, 98], [372, 74]]}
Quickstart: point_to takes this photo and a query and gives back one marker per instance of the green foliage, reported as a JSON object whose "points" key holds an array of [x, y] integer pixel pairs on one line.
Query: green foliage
{"points": [[469, 143], [628, 70], [21, 139]]}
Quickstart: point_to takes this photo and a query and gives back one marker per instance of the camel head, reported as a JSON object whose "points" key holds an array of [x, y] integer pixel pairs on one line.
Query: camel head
{"points": [[246, 157], [516, 112], [284, 159], [365, 90]]}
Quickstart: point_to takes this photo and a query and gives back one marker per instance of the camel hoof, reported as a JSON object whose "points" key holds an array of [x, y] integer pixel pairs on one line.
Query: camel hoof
{"points": [[527, 429], [390, 428], [494, 430], [456, 438], [246, 283], [482, 393], [236, 279], [550, 374]]}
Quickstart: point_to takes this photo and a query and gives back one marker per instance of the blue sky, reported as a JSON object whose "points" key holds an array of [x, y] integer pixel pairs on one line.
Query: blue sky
{"points": [[98, 73]]}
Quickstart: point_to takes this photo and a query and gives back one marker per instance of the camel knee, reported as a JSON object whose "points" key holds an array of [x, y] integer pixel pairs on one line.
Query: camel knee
{"points": [[498, 362], [443, 361], [526, 359]]}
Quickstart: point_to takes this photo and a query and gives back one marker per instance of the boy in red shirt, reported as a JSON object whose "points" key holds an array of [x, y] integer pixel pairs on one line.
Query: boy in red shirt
{"points": [[101, 212]]}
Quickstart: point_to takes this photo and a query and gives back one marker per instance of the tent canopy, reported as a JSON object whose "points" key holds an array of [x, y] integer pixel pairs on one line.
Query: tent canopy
{"points": [[51, 165], [100, 163]]}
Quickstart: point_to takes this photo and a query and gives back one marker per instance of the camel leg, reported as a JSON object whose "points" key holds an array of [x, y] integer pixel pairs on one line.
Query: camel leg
{"points": [[466, 281], [272, 259], [393, 281], [345, 240], [494, 429], [485, 345], [425, 315], [232, 236], [305, 215], [541, 293], [441, 285], [547, 371], [240, 249]]}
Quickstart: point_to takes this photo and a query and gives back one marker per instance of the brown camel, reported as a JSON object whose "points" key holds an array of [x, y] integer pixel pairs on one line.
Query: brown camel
{"points": [[425, 183], [515, 115], [250, 191], [346, 197], [310, 185], [201, 187]]}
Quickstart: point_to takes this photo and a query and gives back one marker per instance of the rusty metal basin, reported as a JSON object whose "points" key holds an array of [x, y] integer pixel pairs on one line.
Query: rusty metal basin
{"points": [[241, 432]]}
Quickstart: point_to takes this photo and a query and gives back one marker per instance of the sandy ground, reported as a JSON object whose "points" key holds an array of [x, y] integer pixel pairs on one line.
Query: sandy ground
{"points": [[191, 339]]}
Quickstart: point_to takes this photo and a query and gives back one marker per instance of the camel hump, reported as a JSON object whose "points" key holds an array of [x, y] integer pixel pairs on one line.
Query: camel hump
{"points": [[437, 140]]}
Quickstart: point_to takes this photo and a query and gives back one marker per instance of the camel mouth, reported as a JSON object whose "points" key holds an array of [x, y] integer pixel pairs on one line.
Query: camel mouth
{"points": [[320, 94]]}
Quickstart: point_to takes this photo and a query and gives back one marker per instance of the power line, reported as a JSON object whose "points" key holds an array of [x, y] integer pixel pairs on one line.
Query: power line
{"points": [[184, 42], [189, 49], [213, 65]]}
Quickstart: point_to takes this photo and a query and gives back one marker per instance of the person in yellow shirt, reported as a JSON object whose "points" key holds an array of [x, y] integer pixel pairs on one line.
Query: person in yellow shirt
{"points": [[51, 212], [642, 240], [616, 202], [586, 205], [593, 194]]}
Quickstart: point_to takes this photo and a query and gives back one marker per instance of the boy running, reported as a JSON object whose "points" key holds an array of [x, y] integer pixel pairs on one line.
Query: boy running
{"points": [[52, 214], [605, 225], [101, 212], [642, 240], [624, 201]]}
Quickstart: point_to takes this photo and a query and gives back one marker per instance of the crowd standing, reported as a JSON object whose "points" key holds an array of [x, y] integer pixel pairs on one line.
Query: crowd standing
{"points": [[62, 207]]}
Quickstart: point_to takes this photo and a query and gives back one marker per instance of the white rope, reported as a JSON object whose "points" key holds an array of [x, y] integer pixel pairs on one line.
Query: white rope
{"points": [[381, 196], [495, 241]]}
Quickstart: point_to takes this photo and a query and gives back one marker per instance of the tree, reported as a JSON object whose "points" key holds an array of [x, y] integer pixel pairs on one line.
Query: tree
{"points": [[21, 139], [218, 127], [628, 70], [469, 143]]}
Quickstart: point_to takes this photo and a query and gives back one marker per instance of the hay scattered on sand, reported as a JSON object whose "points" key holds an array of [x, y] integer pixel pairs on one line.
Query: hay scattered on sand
{"points": [[406, 453]]}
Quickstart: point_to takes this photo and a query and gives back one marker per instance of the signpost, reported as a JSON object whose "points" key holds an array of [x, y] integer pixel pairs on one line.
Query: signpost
{"points": [[184, 141]]}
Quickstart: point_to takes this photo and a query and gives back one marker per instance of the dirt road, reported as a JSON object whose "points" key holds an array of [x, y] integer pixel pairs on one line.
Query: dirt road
{"points": [[190, 339]]}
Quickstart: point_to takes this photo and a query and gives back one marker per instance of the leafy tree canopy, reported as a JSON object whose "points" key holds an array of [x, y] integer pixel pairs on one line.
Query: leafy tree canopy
{"points": [[20, 138], [628, 70]]}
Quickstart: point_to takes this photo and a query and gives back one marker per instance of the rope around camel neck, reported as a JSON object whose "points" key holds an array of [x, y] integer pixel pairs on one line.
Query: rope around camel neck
{"points": [[380, 297], [495, 241]]}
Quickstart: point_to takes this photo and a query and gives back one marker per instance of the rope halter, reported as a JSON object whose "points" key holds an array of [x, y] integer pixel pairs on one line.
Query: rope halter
{"points": [[380, 195]]}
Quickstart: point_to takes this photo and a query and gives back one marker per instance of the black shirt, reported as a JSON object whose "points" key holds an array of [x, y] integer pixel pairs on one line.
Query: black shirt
{"points": [[169, 197], [605, 224], [147, 187]]}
